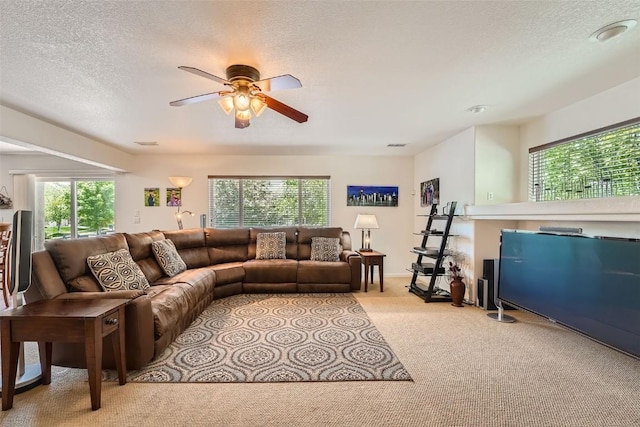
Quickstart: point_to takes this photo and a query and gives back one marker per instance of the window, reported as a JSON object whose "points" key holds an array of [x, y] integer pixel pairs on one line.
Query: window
{"points": [[70, 208], [269, 201], [601, 163]]}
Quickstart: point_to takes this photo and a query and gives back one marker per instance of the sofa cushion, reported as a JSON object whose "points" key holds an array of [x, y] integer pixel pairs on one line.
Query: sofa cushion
{"points": [[167, 256], [85, 283], [291, 239], [117, 271], [270, 271], [171, 302], [227, 245], [230, 272], [142, 254], [271, 245], [70, 256], [306, 234], [191, 276], [325, 249], [191, 246], [323, 272]]}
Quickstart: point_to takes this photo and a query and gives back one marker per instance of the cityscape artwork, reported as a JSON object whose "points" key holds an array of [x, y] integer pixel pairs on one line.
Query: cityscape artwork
{"points": [[359, 195]]}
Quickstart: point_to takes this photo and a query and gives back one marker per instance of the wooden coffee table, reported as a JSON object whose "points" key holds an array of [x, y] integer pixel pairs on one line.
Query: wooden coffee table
{"points": [[85, 321]]}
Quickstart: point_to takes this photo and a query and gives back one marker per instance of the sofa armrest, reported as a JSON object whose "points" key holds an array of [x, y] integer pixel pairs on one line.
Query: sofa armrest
{"points": [[102, 295], [355, 262]]}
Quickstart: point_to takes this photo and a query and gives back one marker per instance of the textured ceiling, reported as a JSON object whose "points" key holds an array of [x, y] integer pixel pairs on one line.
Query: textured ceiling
{"points": [[373, 73]]}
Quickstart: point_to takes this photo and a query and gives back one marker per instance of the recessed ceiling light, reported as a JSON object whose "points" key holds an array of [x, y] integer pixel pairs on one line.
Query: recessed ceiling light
{"points": [[612, 31], [146, 143], [477, 108], [396, 145]]}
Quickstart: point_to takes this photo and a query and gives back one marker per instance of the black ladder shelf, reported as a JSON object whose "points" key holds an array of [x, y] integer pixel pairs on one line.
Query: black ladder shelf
{"points": [[432, 269]]}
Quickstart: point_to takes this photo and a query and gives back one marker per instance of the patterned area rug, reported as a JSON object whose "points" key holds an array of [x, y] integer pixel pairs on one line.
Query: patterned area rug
{"points": [[275, 338]]}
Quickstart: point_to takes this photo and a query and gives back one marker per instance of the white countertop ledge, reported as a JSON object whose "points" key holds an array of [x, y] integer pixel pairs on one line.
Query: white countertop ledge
{"points": [[613, 209]]}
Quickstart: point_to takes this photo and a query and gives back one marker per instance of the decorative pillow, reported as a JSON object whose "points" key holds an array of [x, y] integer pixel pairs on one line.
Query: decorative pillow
{"points": [[85, 283], [117, 271], [168, 257], [325, 249], [271, 245]]}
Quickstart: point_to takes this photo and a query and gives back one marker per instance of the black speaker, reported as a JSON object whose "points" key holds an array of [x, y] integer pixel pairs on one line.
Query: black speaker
{"points": [[487, 285]]}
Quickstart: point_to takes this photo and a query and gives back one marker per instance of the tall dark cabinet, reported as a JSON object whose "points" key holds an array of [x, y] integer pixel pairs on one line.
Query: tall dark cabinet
{"points": [[434, 267]]}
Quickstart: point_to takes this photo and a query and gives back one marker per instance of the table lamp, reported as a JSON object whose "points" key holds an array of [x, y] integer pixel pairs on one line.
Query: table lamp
{"points": [[366, 222]]}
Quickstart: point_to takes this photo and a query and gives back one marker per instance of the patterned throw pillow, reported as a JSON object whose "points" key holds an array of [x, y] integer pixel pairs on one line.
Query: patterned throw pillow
{"points": [[271, 245], [168, 257], [325, 249], [116, 271]]}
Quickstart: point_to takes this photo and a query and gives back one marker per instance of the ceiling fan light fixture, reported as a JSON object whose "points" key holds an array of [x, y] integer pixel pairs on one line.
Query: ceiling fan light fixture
{"points": [[227, 104], [242, 99], [242, 119], [244, 94], [258, 105]]}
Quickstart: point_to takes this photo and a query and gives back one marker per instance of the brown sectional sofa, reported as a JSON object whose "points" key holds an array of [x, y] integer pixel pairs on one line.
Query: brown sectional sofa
{"points": [[220, 263]]}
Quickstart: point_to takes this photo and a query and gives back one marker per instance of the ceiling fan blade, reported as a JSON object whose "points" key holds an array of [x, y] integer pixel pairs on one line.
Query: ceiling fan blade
{"points": [[204, 74], [197, 98], [285, 110], [286, 81]]}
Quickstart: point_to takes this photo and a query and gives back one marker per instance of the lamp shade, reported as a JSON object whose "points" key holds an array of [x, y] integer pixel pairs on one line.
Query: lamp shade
{"points": [[366, 221], [180, 181]]}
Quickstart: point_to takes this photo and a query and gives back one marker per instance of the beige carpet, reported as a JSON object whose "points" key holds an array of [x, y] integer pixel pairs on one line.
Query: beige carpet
{"points": [[467, 371]]}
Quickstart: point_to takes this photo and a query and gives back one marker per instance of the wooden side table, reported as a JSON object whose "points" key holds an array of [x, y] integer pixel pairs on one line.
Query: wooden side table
{"points": [[369, 259], [58, 320]]}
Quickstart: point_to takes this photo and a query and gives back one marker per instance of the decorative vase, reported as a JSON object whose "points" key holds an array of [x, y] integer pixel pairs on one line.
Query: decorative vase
{"points": [[457, 288]]}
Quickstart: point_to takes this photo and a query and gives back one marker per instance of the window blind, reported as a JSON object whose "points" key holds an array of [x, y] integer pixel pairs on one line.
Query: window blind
{"points": [[269, 201], [602, 163]]}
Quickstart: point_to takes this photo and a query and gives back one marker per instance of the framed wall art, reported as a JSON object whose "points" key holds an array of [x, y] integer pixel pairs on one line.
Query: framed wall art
{"points": [[174, 197], [430, 192], [362, 195], [152, 196]]}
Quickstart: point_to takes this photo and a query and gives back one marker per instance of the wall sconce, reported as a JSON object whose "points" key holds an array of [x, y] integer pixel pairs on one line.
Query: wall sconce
{"points": [[366, 222], [180, 182]]}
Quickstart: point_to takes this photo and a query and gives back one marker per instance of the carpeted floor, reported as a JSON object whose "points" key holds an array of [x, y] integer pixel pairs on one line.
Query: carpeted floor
{"points": [[277, 338], [467, 370]]}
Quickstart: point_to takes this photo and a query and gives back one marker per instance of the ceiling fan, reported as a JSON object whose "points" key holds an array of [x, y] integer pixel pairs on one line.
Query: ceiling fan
{"points": [[245, 93]]}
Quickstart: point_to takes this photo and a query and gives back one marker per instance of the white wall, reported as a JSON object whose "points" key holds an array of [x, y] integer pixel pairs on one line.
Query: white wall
{"points": [[394, 238], [606, 108], [23, 130], [497, 164], [453, 162]]}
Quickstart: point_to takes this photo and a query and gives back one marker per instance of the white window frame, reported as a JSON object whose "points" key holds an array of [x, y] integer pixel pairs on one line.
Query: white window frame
{"points": [[612, 170], [242, 180]]}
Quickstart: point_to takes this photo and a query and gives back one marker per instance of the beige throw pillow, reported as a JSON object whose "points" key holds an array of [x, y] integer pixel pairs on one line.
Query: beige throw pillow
{"points": [[271, 245], [117, 271], [325, 249], [168, 257]]}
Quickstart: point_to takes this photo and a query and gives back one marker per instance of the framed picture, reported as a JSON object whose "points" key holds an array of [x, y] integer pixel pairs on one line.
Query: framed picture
{"points": [[359, 195], [174, 197], [430, 192], [152, 196]]}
